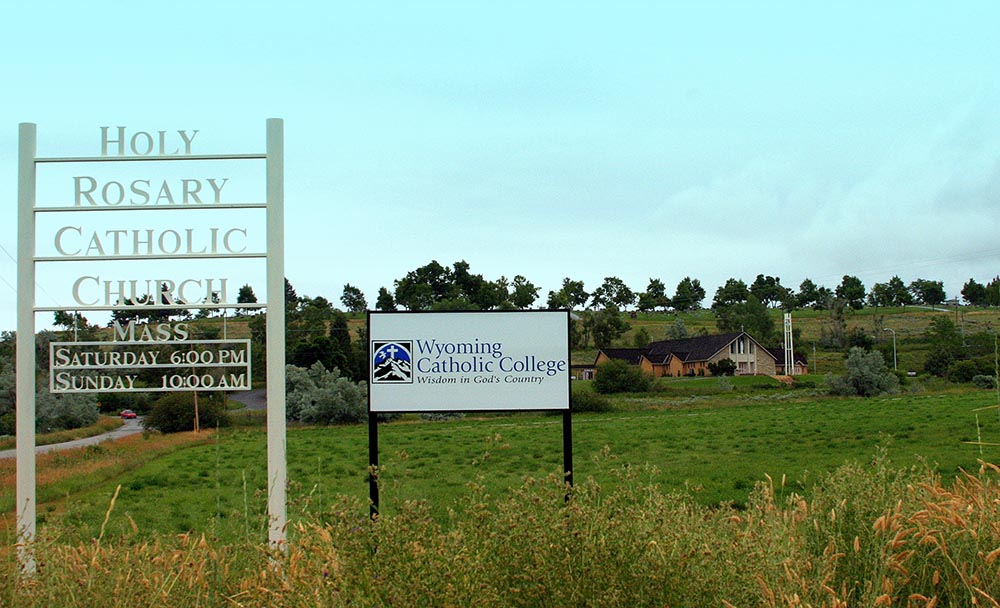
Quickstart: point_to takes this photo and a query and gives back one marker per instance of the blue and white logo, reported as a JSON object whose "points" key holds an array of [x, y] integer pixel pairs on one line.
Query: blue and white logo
{"points": [[391, 362]]}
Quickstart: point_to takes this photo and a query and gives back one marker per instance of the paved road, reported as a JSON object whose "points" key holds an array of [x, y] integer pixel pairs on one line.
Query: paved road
{"points": [[254, 400], [130, 427]]}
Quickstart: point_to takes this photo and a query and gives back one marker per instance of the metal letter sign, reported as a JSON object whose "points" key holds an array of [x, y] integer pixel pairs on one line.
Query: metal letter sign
{"points": [[167, 360]]}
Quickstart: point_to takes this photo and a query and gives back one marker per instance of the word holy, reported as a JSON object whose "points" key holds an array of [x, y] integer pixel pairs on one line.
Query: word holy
{"points": [[71, 240], [142, 143]]}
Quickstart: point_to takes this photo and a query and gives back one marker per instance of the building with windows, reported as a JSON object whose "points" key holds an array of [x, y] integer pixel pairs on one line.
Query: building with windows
{"points": [[692, 356]]}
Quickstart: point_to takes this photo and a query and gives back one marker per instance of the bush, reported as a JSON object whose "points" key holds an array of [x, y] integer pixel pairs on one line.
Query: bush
{"points": [[318, 396], [62, 412], [866, 376], [965, 370], [938, 362], [442, 416], [174, 413], [589, 401], [619, 377], [981, 381], [112, 403], [723, 367], [52, 412]]}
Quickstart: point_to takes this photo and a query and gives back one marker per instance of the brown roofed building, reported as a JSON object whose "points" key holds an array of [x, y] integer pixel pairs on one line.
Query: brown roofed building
{"points": [[691, 356]]}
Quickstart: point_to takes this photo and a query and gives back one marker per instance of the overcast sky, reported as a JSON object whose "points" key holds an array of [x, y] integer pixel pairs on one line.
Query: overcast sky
{"points": [[548, 139]]}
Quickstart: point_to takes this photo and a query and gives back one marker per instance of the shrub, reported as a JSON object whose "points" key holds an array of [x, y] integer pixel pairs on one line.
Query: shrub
{"points": [[174, 413], [61, 412], [318, 396], [52, 412], [866, 376], [965, 370], [981, 381], [619, 377], [723, 367], [442, 416], [112, 403], [589, 401], [938, 362]]}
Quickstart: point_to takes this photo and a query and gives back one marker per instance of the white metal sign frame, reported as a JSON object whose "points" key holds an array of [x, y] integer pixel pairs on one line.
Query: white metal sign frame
{"points": [[64, 361], [26, 310]]}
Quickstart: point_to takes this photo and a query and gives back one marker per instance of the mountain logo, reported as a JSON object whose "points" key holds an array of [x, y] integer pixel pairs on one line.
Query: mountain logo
{"points": [[391, 362]]}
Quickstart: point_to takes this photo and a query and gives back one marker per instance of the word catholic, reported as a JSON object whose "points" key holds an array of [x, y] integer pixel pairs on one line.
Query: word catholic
{"points": [[123, 242]]}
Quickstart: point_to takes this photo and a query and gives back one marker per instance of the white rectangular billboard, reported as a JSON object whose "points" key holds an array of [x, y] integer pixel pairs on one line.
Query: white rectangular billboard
{"points": [[465, 361]]}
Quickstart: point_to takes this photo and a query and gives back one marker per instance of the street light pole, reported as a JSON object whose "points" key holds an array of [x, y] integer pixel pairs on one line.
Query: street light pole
{"points": [[893, 346]]}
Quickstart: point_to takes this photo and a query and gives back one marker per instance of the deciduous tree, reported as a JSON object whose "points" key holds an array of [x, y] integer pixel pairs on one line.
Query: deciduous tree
{"points": [[852, 291], [928, 292], [750, 316], [899, 295], [688, 295], [385, 301], [808, 295], [571, 295], [612, 292], [974, 293], [607, 325], [733, 292], [654, 297], [769, 290], [523, 293], [353, 299]]}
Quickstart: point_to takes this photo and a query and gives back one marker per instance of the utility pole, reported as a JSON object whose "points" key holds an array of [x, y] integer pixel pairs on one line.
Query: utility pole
{"points": [[894, 367]]}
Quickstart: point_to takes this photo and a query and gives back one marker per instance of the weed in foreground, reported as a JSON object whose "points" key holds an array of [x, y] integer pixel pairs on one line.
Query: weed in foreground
{"points": [[871, 535]]}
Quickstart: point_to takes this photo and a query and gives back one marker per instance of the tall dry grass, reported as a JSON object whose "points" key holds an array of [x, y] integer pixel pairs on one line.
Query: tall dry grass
{"points": [[869, 535], [64, 472]]}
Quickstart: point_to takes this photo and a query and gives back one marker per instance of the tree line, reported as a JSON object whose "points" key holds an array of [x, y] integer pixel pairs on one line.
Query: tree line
{"points": [[438, 287]]}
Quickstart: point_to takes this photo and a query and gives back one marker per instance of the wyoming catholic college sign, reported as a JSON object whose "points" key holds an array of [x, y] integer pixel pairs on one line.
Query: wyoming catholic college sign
{"points": [[154, 238], [450, 362], [467, 361]]}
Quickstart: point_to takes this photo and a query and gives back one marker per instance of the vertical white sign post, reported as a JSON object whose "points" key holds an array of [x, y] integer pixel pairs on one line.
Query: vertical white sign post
{"points": [[25, 363], [141, 146], [277, 473]]}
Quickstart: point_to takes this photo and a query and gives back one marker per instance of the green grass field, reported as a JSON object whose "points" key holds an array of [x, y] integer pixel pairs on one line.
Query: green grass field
{"points": [[716, 447]]}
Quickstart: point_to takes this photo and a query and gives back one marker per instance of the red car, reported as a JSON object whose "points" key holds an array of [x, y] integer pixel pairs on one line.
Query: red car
{"points": [[126, 414]]}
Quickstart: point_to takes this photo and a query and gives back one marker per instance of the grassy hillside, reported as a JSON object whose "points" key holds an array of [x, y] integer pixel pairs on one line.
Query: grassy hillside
{"points": [[910, 323]]}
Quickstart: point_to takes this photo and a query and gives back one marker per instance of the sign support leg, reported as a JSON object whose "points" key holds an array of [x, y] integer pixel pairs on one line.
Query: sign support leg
{"points": [[568, 447], [277, 470], [373, 463], [25, 363]]}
